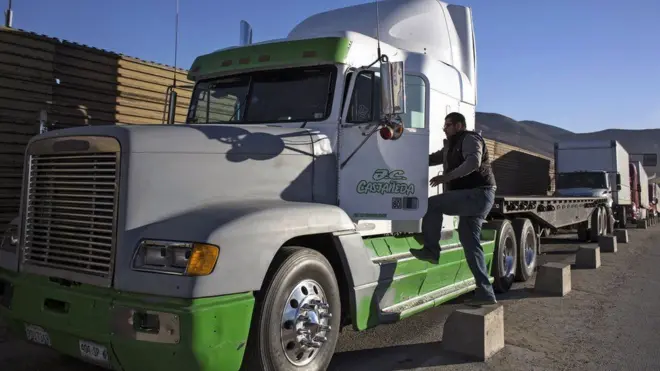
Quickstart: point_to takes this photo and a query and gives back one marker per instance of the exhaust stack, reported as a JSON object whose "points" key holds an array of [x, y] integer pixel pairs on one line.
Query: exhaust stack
{"points": [[246, 34]]}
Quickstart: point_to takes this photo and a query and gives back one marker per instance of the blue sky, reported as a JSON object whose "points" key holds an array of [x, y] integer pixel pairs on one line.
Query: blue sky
{"points": [[583, 65]]}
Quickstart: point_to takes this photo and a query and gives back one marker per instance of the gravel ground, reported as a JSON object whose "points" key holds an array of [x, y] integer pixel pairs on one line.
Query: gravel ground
{"points": [[609, 321]]}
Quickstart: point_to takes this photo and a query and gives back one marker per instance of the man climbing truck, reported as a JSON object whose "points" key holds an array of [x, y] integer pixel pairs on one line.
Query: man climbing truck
{"points": [[284, 209]]}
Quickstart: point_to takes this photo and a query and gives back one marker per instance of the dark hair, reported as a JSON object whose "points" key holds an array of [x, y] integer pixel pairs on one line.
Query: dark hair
{"points": [[456, 118]]}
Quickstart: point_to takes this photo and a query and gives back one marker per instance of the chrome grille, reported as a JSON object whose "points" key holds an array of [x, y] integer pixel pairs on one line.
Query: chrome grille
{"points": [[70, 213]]}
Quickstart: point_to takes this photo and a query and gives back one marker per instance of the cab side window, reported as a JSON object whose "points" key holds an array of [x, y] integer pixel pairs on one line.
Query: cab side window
{"points": [[364, 103], [415, 103]]}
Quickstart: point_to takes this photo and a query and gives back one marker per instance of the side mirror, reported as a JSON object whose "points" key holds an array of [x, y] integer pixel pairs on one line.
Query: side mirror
{"points": [[392, 88], [618, 187], [639, 188], [618, 180]]}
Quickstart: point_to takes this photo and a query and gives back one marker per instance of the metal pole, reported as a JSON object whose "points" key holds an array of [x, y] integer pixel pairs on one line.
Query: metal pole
{"points": [[171, 116], [9, 16]]}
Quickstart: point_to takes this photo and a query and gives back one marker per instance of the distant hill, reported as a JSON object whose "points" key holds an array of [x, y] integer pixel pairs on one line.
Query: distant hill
{"points": [[539, 137]]}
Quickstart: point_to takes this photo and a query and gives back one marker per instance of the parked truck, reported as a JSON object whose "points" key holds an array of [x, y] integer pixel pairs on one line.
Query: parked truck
{"points": [[283, 210], [595, 168], [639, 184], [654, 193]]}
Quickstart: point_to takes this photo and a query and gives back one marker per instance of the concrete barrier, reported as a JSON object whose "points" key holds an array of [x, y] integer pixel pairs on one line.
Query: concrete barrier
{"points": [[621, 236], [588, 257], [607, 243], [475, 332], [553, 279]]}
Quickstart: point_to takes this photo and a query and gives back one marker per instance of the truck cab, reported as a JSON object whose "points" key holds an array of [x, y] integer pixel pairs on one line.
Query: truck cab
{"points": [[281, 210], [584, 184]]}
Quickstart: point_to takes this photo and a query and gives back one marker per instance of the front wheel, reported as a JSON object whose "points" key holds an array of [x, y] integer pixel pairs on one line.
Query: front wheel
{"points": [[297, 317]]}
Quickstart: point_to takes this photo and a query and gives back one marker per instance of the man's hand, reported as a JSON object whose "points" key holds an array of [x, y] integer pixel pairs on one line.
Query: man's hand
{"points": [[438, 179]]}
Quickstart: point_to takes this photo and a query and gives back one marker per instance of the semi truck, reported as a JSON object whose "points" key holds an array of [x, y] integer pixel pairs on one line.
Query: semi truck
{"points": [[595, 168], [639, 184], [282, 211]]}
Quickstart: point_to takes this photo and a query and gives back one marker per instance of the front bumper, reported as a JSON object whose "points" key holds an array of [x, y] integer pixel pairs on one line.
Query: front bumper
{"points": [[195, 334]]}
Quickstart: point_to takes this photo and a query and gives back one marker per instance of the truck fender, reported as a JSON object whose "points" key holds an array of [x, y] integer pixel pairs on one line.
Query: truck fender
{"points": [[249, 243]]}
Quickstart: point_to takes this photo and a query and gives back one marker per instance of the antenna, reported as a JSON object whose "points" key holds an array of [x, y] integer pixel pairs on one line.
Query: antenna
{"points": [[176, 39], [378, 28]]}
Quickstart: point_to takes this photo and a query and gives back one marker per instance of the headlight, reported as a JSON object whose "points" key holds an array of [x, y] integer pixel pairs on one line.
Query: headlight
{"points": [[9, 240], [181, 258]]}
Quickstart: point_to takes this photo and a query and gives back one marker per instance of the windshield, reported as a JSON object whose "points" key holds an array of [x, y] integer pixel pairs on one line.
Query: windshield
{"points": [[581, 180], [295, 94]]}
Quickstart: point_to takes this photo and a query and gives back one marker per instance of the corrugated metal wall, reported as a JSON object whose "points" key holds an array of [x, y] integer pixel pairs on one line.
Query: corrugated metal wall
{"points": [[80, 85]]}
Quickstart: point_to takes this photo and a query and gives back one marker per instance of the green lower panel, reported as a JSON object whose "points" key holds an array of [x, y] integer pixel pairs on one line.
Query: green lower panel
{"points": [[213, 332], [408, 278]]}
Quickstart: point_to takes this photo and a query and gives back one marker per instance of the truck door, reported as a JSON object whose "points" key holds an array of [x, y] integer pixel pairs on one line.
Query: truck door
{"points": [[379, 178]]}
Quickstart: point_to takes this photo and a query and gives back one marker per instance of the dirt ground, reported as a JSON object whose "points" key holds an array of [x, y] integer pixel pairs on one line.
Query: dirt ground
{"points": [[610, 320]]}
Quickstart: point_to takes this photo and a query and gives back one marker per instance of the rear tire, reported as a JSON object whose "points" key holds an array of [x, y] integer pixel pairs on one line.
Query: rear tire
{"points": [[596, 229], [505, 256], [301, 277], [527, 242]]}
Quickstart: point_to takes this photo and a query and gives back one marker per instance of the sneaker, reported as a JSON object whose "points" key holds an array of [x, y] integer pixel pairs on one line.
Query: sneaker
{"points": [[479, 302], [426, 255]]}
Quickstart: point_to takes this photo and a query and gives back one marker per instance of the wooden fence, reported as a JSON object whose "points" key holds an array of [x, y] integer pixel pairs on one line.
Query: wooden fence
{"points": [[80, 85], [75, 85]]}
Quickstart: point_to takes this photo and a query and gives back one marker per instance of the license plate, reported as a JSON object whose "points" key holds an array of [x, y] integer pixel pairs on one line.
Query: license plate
{"points": [[93, 351], [37, 335]]}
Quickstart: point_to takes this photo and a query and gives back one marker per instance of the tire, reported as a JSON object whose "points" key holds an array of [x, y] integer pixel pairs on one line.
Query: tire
{"points": [[528, 243], [596, 224], [295, 268], [624, 218], [503, 270], [583, 232], [609, 220]]}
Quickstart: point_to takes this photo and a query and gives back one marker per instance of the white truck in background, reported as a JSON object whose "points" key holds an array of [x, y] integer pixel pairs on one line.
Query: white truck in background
{"points": [[593, 168]]}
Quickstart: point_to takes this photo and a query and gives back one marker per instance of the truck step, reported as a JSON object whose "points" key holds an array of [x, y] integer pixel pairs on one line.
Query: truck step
{"points": [[428, 300]]}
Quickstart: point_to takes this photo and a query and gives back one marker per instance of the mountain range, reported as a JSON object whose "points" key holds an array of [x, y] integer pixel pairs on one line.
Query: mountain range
{"points": [[540, 138]]}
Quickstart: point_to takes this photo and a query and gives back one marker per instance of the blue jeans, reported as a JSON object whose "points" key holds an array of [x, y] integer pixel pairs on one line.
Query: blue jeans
{"points": [[471, 206]]}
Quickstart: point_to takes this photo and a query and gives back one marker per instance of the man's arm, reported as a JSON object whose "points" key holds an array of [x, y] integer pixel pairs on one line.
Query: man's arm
{"points": [[436, 158], [472, 151]]}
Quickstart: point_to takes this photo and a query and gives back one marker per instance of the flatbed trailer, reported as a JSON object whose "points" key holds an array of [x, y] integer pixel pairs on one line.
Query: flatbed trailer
{"points": [[521, 221]]}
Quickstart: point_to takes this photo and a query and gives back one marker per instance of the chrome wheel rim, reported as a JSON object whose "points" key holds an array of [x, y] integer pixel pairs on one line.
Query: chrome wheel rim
{"points": [[305, 322], [529, 249], [508, 253]]}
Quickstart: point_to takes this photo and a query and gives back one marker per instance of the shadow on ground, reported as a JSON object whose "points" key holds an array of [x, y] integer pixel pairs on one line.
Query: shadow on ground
{"points": [[399, 357]]}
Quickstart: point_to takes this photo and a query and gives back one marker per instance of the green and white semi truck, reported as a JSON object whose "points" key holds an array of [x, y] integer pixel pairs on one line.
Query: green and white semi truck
{"points": [[283, 210]]}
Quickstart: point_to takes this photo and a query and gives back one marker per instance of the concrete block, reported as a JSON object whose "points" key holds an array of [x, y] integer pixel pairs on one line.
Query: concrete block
{"points": [[607, 243], [588, 257], [475, 332], [553, 279], [641, 224], [621, 236]]}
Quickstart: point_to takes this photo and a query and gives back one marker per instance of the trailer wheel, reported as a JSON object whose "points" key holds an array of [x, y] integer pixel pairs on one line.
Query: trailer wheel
{"points": [[505, 256], [527, 248], [297, 315], [623, 217], [609, 220], [597, 224], [583, 232]]}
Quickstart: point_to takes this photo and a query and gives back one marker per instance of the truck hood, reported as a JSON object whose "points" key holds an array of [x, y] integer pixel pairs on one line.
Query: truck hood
{"points": [[582, 192], [248, 140], [171, 169]]}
